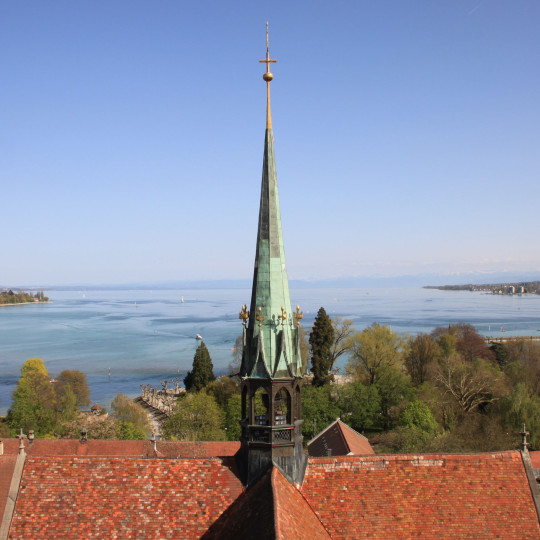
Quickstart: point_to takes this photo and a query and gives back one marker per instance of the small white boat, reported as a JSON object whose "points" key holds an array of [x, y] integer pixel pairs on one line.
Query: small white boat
{"points": [[198, 336], [182, 301]]}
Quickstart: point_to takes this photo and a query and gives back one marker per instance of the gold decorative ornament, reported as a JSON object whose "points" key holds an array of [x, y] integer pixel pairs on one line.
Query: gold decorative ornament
{"points": [[259, 317], [298, 315], [283, 316], [244, 315]]}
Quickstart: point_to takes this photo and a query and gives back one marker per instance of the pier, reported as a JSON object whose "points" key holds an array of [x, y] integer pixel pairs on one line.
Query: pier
{"points": [[505, 339]]}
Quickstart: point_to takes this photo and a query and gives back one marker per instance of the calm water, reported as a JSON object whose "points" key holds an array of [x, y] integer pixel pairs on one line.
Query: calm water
{"points": [[146, 336]]}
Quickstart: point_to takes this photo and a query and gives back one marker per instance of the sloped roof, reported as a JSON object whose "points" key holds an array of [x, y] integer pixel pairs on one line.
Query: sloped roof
{"points": [[98, 497], [535, 459], [340, 440], [428, 496], [7, 466], [272, 508], [144, 448]]}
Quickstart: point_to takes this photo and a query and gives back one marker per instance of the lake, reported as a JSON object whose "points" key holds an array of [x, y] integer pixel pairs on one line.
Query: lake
{"points": [[124, 338]]}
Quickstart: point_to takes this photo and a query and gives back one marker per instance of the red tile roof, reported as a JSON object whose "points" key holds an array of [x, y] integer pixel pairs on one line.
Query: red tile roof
{"points": [[535, 459], [357, 443], [429, 496], [272, 508], [338, 439], [112, 492], [105, 497], [7, 465]]}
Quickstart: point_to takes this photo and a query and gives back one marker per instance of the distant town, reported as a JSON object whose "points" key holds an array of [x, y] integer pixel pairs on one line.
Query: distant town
{"points": [[524, 287], [8, 297]]}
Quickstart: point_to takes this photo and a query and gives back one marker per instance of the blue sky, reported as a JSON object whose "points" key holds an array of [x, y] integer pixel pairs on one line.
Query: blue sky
{"points": [[131, 138]]}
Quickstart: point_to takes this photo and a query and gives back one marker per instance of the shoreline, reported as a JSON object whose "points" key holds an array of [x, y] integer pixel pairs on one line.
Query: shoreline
{"points": [[27, 303]]}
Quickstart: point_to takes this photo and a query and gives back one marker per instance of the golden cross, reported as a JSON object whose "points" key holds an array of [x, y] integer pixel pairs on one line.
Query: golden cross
{"points": [[267, 76]]}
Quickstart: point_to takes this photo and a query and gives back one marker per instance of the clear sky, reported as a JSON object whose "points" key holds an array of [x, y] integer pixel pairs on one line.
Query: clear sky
{"points": [[131, 137]]}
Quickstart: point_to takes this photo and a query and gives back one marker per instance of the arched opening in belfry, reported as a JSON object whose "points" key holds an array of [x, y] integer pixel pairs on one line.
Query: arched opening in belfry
{"points": [[283, 407], [260, 403]]}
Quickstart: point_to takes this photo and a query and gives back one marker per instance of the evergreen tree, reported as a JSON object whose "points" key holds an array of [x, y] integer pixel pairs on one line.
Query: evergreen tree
{"points": [[321, 340], [202, 372]]}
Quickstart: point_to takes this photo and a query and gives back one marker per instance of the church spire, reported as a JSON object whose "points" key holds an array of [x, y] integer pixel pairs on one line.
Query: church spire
{"points": [[271, 345], [271, 370]]}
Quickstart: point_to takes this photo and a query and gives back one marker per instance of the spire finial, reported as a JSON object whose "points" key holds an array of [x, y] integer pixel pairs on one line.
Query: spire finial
{"points": [[268, 77]]}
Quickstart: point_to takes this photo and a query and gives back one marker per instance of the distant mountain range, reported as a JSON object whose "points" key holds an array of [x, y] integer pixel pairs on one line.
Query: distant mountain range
{"points": [[418, 280]]}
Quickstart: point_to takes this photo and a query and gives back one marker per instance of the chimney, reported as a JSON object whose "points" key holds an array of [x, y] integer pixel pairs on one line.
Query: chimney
{"points": [[1, 448], [31, 436], [84, 435]]}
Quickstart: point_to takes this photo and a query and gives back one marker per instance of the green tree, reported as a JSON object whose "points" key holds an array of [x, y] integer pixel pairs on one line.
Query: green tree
{"points": [[222, 389], [319, 409], [373, 349], [78, 383], [127, 411], [420, 354], [34, 365], [321, 339], [359, 405], [417, 414], [522, 406], [394, 389], [232, 417], [197, 417], [501, 354], [128, 431], [202, 372], [35, 403]]}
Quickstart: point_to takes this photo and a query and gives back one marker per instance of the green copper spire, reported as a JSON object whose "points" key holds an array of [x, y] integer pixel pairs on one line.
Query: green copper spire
{"points": [[271, 339]]}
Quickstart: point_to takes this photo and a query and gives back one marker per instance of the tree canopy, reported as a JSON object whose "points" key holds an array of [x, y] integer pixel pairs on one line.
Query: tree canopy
{"points": [[202, 372], [197, 417]]}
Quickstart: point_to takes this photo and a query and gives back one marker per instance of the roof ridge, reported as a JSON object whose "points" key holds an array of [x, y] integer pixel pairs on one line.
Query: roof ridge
{"points": [[294, 486], [323, 431], [277, 525], [341, 423], [355, 457]]}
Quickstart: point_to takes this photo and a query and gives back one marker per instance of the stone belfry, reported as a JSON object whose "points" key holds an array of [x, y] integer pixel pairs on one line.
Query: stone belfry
{"points": [[271, 369]]}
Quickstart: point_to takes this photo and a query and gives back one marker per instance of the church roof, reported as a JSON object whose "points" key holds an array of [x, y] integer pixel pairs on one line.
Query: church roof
{"points": [[338, 439], [483, 495], [428, 496]]}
